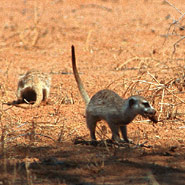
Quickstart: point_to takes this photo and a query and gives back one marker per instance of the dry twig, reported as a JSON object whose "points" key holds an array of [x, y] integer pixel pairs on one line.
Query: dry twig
{"points": [[175, 24]]}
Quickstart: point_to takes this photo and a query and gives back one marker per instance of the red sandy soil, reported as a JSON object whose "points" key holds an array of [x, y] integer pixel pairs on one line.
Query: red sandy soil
{"points": [[121, 45]]}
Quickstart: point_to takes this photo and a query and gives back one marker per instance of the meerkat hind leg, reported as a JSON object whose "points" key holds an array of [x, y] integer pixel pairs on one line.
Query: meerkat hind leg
{"points": [[45, 96], [91, 124]]}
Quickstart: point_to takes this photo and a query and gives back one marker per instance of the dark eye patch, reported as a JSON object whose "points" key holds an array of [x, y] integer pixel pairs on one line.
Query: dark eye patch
{"points": [[146, 104]]}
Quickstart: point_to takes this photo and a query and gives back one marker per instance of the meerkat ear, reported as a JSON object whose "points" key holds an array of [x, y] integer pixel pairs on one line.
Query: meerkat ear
{"points": [[132, 101]]}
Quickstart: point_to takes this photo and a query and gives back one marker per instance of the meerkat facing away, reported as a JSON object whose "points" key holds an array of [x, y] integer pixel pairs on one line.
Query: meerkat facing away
{"points": [[109, 106], [34, 86]]}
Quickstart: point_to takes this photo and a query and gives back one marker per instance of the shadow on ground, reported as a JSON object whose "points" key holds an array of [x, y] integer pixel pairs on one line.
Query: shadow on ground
{"points": [[80, 164]]}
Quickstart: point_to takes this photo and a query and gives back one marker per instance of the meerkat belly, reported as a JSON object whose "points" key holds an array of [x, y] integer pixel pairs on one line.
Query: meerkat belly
{"points": [[107, 113], [118, 119]]}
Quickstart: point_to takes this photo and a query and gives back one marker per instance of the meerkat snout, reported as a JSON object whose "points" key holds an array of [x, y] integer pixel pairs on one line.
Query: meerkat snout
{"points": [[148, 109]]}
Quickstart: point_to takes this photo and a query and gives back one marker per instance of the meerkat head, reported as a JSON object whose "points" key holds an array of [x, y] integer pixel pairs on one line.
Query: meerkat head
{"points": [[141, 106]]}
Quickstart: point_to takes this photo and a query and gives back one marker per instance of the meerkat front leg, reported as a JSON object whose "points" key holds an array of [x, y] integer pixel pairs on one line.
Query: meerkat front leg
{"points": [[115, 132], [124, 133]]}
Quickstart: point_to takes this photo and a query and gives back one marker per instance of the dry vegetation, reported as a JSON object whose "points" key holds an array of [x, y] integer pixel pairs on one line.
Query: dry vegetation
{"points": [[131, 47]]}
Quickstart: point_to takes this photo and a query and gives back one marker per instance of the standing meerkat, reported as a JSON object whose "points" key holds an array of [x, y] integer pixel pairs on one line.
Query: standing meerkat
{"points": [[109, 106], [34, 86]]}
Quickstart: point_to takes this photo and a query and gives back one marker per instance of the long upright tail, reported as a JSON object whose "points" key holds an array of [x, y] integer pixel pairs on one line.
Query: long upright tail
{"points": [[81, 88]]}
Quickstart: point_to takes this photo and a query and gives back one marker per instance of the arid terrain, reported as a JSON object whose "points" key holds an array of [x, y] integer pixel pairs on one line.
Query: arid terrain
{"points": [[131, 47]]}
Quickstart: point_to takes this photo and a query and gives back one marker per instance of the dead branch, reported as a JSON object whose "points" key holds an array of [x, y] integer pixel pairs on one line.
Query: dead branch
{"points": [[175, 24]]}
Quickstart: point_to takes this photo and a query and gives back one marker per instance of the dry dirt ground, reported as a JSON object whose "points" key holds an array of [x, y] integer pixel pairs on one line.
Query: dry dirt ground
{"points": [[126, 46]]}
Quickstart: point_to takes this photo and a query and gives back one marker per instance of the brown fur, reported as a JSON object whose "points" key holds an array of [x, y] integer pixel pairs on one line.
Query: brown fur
{"points": [[109, 106], [34, 86]]}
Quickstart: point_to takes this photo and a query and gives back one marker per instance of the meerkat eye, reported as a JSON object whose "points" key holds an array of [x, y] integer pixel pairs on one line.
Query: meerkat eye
{"points": [[146, 104]]}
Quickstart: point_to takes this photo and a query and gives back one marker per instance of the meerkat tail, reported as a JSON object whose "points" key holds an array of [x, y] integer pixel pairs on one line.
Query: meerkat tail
{"points": [[81, 88], [39, 97]]}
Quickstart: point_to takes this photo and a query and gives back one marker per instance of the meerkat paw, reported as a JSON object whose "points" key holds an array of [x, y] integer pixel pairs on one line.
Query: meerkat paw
{"points": [[126, 141]]}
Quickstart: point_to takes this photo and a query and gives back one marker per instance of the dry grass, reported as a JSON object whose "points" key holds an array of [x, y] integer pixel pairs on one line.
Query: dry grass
{"points": [[62, 120]]}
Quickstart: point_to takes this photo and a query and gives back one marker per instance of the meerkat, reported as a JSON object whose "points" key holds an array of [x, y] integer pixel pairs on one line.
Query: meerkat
{"points": [[34, 86], [109, 106]]}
